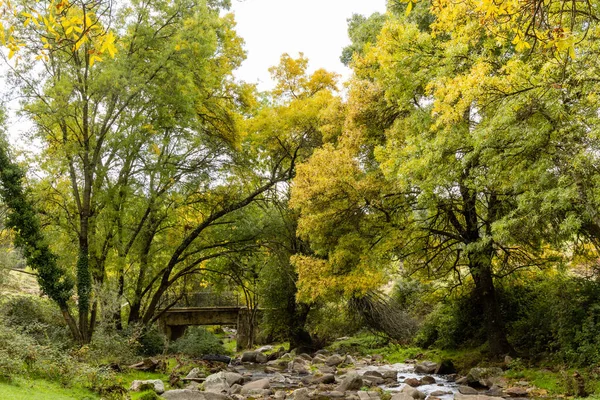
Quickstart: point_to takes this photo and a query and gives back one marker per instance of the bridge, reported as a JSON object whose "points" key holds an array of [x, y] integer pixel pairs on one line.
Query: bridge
{"points": [[206, 308]]}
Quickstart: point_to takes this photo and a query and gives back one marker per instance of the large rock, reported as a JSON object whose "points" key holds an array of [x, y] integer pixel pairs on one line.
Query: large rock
{"points": [[428, 380], [352, 381], [187, 394], [334, 360], [426, 367], [254, 357], [483, 376], [516, 391], [467, 390], [414, 382], [300, 394], [195, 374], [258, 384], [413, 393], [368, 395], [326, 379], [459, 396], [299, 366], [222, 381], [389, 374], [154, 384], [401, 396], [446, 367]]}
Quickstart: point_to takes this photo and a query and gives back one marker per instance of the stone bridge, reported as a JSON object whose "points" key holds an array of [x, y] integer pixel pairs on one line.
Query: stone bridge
{"points": [[175, 320]]}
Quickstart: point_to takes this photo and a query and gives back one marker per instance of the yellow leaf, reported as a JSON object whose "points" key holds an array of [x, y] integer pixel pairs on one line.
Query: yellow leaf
{"points": [[409, 7]]}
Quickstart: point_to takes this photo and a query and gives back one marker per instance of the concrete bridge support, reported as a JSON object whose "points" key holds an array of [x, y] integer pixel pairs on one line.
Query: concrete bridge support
{"points": [[175, 321]]}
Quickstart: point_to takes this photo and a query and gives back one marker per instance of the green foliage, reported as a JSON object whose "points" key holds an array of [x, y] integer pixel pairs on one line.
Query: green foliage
{"points": [[559, 318], [362, 31], [455, 323], [330, 321], [197, 341], [152, 341], [22, 217], [363, 343], [36, 317]]}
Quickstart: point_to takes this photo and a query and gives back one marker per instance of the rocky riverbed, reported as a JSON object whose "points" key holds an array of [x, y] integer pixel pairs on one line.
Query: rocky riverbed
{"points": [[324, 376]]}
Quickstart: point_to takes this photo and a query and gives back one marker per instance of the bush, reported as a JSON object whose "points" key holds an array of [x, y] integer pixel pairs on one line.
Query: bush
{"points": [[37, 317], [197, 342], [152, 342], [454, 323], [111, 346], [560, 317]]}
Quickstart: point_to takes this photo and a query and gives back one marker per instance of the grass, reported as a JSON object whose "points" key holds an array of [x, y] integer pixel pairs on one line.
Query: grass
{"points": [[22, 389]]}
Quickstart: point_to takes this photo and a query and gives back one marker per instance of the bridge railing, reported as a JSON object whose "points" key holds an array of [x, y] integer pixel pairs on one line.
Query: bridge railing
{"points": [[207, 299]]}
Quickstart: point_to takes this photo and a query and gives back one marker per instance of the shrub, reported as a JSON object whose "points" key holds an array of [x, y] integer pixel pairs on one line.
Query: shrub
{"points": [[37, 317], [453, 323], [196, 342], [331, 321], [111, 346], [152, 342]]}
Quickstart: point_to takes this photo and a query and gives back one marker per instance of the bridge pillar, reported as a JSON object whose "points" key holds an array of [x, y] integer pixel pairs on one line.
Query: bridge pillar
{"points": [[243, 331]]}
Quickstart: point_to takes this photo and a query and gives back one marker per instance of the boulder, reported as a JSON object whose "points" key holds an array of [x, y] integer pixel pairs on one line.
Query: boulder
{"points": [[495, 391], [373, 373], [413, 393], [235, 389], [483, 376], [349, 359], [329, 395], [298, 367], [153, 384], [426, 367], [373, 380], [319, 359], [516, 391], [352, 381], [467, 390], [195, 375], [334, 360], [362, 395], [254, 357], [401, 396], [326, 379], [427, 380], [459, 396], [414, 382], [389, 374], [300, 394], [187, 394], [222, 381], [258, 384], [446, 367]]}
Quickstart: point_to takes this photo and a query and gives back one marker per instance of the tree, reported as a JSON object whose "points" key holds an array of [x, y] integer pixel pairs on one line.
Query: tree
{"points": [[448, 164]]}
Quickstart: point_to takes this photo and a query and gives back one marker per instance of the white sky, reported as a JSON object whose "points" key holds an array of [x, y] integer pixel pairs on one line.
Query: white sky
{"points": [[318, 28]]}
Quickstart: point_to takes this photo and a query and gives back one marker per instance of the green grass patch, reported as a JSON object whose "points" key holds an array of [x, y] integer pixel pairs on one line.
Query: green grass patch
{"points": [[24, 389]]}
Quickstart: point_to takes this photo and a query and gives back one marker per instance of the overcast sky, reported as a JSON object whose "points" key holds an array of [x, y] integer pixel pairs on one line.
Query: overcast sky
{"points": [[318, 28]]}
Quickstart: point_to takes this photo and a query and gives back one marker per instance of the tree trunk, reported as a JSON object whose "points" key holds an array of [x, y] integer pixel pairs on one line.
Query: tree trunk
{"points": [[299, 336], [84, 283], [480, 267]]}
